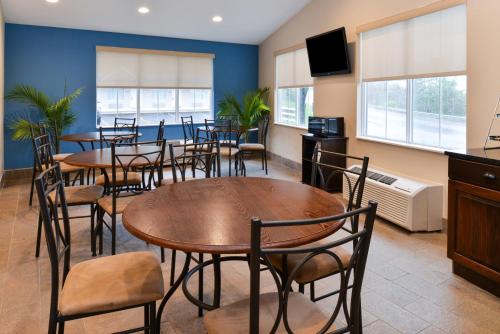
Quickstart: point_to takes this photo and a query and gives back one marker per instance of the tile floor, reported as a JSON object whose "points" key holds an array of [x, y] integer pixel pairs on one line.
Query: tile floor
{"points": [[408, 287]]}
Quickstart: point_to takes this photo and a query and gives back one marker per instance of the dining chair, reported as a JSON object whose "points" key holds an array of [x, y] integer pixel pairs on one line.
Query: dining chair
{"points": [[125, 169], [160, 135], [97, 286], [188, 129], [201, 154], [76, 195], [259, 147], [318, 267], [42, 129], [285, 311], [124, 123], [226, 132]]}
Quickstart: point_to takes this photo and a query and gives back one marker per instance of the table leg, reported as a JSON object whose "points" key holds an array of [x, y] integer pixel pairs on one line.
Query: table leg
{"points": [[171, 291]]}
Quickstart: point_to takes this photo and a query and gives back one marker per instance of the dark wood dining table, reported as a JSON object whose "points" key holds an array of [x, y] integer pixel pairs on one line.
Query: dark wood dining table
{"points": [[101, 157], [213, 216]]}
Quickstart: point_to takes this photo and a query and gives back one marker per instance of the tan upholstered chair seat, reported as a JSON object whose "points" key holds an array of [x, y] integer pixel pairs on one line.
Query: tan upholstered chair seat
{"points": [[317, 267], [61, 156], [112, 282], [224, 151], [165, 182], [132, 179], [106, 203], [252, 147], [65, 168], [303, 315], [80, 195]]}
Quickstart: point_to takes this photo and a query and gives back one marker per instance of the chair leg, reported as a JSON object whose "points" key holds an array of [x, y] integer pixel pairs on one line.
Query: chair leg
{"points": [[200, 285], [99, 228], [162, 254], [52, 325], [230, 167], [92, 229], [152, 318], [172, 267], [61, 327], [312, 291], [262, 160], [147, 330], [265, 160], [113, 234], [38, 235], [301, 288], [32, 185]]}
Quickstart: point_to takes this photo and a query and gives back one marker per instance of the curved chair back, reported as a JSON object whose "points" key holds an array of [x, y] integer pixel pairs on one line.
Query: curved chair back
{"points": [[202, 155], [350, 275], [51, 196], [188, 129], [161, 131], [124, 123], [263, 130]]}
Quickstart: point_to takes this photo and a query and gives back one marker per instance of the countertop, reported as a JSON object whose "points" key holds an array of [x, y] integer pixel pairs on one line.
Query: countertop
{"points": [[491, 156]]}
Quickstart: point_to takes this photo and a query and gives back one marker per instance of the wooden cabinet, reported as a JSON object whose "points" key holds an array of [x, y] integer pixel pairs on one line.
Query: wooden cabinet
{"points": [[334, 144], [474, 221]]}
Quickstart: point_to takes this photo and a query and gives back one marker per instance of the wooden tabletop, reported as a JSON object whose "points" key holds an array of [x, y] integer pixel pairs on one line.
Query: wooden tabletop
{"points": [[101, 158], [95, 136], [213, 215]]}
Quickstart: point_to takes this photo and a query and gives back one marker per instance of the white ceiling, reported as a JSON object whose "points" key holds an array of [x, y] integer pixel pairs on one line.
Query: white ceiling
{"points": [[245, 21]]}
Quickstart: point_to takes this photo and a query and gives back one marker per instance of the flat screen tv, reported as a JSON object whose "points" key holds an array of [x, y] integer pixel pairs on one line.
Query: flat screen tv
{"points": [[328, 53]]}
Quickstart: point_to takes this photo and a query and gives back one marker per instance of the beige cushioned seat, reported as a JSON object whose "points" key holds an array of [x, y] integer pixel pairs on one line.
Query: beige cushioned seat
{"points": [[317, 267], [80, 195], [61, 156], [106, 203], [251, 147], [132, 179], [224, 151], [112, 282], [65, 168], [165, 182], [303, 315]]}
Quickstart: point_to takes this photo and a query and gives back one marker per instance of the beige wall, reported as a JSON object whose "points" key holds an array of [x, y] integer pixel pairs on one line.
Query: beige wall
{"points": [[2, 25], [336, 96]]}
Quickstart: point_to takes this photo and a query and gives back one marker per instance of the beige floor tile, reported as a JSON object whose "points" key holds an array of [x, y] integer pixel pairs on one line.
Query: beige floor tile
{"points": [[380, 327]]}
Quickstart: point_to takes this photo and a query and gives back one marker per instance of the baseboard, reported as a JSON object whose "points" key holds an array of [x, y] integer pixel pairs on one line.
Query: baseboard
{"points": [[14, 174], [285, 161], [2, 179]]}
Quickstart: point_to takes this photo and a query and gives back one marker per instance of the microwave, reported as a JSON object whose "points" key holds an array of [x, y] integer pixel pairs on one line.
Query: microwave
{"points": [[326, 126]]}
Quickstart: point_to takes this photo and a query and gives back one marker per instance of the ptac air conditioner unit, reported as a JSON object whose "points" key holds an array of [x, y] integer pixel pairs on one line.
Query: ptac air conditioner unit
{"points": [[414, 205]]}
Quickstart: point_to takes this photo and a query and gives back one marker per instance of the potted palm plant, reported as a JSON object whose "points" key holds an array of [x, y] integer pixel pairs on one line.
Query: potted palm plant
{"points": [[255, 106], [56, 113]]}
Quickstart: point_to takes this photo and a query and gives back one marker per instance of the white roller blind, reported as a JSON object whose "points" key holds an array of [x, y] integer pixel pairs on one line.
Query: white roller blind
{"points": [[431, 44], [150, 70], [292, 69]]}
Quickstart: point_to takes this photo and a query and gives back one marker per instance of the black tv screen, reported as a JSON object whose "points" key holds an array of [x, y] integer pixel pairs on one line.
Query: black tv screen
{"points": [[328, 53]]}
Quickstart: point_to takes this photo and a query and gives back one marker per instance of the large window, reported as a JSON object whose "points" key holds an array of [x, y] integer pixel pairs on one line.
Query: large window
{"points": [[153, 85], [413, 81], [294, 92]]}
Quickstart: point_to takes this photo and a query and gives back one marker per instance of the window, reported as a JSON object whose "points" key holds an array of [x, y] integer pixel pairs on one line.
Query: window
{"points": [[294, 92], [413, 82], [153, 85]]}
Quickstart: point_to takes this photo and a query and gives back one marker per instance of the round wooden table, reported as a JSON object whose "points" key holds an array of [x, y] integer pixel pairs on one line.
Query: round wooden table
{"points": [[213, 216], [101, 157], [94, 136]]}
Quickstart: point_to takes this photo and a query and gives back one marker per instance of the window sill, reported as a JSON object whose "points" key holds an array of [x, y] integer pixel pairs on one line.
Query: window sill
{"points": [[405, 145], [291, 126]]}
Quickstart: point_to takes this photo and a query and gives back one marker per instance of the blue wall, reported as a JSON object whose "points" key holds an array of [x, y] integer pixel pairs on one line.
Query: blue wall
{"points": [[48, 57]]}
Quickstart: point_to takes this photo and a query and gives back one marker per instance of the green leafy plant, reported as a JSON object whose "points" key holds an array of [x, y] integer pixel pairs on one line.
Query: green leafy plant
{"points": [[57, 114], [255, 106]]}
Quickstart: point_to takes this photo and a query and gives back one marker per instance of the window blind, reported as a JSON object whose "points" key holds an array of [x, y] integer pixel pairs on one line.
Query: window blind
{"points": [[429, 45], [292, 69], [153, 70]]}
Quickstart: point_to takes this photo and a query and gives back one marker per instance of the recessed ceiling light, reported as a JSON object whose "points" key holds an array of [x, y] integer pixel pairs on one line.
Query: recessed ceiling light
{"points": [[143, 10], [217, 18], [52, 1]]}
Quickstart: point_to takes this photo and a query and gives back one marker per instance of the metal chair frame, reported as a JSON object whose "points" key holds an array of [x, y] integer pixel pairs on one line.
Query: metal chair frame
{"points": [[262, 139], [150, 162], [58, 240], [355, 269], [188, 129], [223, 131]]}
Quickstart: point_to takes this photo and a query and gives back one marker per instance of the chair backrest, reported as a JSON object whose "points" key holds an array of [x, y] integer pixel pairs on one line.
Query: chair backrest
{"points": [[223, 130], [114, 136], [188, 128], [124, 123], [351, 276], [161, 131], [200, 155], [145, 158], [263, 130], [51, 196], [42, 149]]}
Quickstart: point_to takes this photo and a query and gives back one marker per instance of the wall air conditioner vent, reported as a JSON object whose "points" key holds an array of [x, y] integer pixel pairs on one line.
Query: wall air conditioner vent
{"points": [[414, 205]]}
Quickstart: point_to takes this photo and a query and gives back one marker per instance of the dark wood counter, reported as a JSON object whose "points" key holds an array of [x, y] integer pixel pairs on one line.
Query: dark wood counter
{"points": [[474, 216]]}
